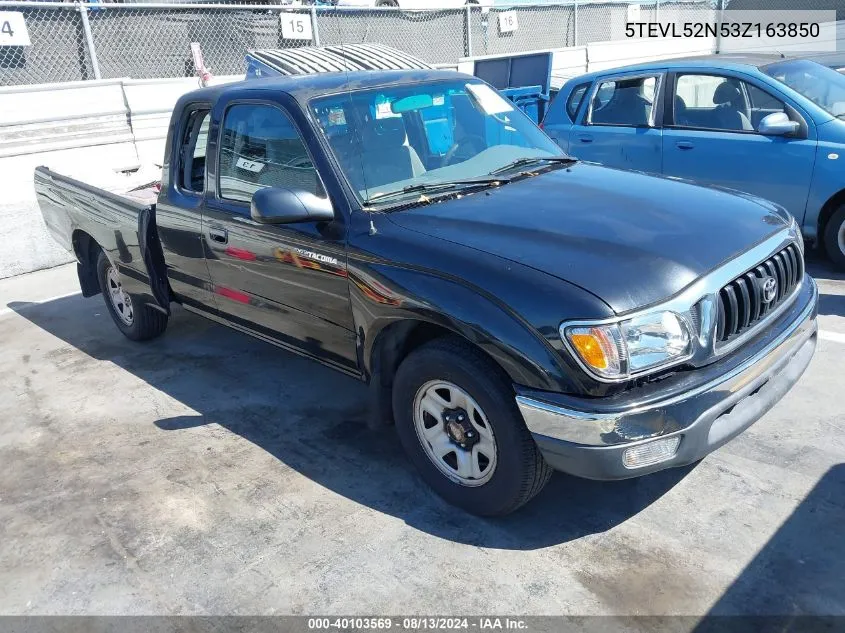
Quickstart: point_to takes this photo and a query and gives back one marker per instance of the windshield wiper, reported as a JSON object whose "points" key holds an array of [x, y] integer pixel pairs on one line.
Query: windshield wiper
{"points": [[528, 160], [434, 186]]}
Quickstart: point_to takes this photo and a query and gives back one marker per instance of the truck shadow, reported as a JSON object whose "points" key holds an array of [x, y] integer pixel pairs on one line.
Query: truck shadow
{"points": [[799, 572], [314, 421]]}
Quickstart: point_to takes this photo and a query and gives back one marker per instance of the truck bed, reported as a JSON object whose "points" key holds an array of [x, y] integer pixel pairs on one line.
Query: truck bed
{"points": [[81, 217]]}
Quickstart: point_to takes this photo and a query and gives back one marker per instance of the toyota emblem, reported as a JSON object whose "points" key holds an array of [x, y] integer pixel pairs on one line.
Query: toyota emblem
{"points": [[770, 289]]}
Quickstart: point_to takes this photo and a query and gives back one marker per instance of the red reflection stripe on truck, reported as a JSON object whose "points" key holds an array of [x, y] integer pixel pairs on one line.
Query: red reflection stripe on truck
{"points": [[240, 253], [234, 295]]}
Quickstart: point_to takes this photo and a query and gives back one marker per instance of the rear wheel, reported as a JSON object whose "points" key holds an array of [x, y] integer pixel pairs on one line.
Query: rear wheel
{"points": [[387, 3], [834, 238], [137, 322], [457, 420]]}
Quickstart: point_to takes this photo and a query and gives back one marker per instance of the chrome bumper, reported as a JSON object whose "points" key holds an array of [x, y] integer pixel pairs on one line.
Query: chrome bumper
{"points": [[590, 443]]}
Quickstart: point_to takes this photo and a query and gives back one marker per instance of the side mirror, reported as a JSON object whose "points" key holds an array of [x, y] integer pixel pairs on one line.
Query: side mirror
{"points": [[277, 205], [778, 124]]}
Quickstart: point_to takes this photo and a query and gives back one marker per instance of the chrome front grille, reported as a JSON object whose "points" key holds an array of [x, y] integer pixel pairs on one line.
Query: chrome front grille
{"points": [[745, 301]]}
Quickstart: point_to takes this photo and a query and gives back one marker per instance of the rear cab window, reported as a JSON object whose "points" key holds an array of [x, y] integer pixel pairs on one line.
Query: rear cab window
{"points": [[189, 174]]}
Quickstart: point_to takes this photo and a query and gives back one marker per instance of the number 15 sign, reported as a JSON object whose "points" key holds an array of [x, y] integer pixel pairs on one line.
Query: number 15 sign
{"points": [[13, 30], [296, 26]]}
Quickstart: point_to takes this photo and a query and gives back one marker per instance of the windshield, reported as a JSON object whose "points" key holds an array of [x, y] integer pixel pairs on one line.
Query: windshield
{"points": [[405, 139], [822, 85]]}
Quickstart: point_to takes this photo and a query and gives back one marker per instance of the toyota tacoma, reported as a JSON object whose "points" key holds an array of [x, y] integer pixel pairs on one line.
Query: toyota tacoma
{"points": [[513, 311]]}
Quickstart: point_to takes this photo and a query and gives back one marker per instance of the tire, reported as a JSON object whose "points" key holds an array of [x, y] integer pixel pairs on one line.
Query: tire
{"points": [[387, 3], [515, 470], [137, 322], [834, 238]]}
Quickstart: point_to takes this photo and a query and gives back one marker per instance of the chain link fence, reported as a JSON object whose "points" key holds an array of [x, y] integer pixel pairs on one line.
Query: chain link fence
{"points": [[150, 43], [436, 36], [69, 42], [538, 27], [58, 50]]}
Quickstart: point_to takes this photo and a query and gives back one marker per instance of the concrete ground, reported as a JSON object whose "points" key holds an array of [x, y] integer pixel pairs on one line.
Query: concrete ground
{"points": [[209, 473]]}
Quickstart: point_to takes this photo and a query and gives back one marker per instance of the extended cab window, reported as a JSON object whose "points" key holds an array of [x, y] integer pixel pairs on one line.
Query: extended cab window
{"points": [[575, 99], [191, 170], [260, 147], [627, 102], [727, 104]]}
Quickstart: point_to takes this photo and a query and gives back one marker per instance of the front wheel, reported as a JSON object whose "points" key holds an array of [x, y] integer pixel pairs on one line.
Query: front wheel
{"points": [[458, 422], [834, 238], [137, 321]]}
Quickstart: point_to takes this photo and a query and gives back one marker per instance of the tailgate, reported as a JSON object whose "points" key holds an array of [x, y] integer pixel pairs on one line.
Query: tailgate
{"points": [[123, 226]]}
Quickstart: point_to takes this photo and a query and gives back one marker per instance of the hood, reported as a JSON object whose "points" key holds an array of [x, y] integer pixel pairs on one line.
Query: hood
{"points": [[630, 239]]}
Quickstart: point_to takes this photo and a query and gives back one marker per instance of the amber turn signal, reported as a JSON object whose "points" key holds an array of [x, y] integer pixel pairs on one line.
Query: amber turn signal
{"points": [[589, 347]]}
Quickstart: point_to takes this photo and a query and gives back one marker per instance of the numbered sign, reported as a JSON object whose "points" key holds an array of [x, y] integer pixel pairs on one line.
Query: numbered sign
{"points": [[507, 22], [13, 29], [296, 26]]}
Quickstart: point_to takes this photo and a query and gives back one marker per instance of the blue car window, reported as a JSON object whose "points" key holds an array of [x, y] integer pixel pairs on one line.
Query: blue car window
{"points": [[575, 99], [626, 102], [714, 102]]}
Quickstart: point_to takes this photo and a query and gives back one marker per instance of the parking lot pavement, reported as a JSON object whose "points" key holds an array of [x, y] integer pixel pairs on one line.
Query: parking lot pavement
{"points": [[206, 472]]}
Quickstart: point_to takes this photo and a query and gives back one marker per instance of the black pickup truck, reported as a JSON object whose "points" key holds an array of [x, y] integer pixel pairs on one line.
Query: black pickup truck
{"points": [[513, 310]]}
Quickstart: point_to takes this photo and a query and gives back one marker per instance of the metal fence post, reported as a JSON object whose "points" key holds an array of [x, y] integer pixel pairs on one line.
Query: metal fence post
{"points": [[468, 30], [89, 40], [721, 9], [575, 22], [314, 28], [657, 11]]}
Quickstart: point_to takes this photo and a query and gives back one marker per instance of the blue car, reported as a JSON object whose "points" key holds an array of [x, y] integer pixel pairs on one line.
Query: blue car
{"points": [[761, 124]]}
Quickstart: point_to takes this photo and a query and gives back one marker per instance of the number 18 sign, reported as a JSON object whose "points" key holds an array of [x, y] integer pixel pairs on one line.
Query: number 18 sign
{"points": [[13, 30], [296, 26]]}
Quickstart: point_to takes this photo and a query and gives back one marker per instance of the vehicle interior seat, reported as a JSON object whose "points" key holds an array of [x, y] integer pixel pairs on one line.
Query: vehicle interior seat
{"points": [[680, 113], [732, 112], [386, 155]]}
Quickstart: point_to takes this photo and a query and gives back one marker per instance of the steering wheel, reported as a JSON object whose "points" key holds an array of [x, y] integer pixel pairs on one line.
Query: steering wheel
{"points": [[462, 150]]}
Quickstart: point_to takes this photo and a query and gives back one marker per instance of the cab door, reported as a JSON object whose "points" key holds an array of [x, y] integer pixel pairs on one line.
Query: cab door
{"points": [[178, 213], [285, 282], [621, 123]]}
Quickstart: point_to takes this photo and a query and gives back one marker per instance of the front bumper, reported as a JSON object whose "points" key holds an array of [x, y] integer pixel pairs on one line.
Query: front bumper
{"points": [[588, 438]]}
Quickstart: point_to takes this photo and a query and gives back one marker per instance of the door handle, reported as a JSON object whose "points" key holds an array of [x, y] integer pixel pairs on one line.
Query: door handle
{"points": [[585, 139], [684, 145], [218, 234]]}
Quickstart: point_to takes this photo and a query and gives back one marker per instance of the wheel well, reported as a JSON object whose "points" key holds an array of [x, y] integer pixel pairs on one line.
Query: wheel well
{"points": [[392, 346], [398, 340], [827, 211], [87, 250]]}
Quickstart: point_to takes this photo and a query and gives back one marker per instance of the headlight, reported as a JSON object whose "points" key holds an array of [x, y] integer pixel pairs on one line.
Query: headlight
{"points": [[621, 350]]}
